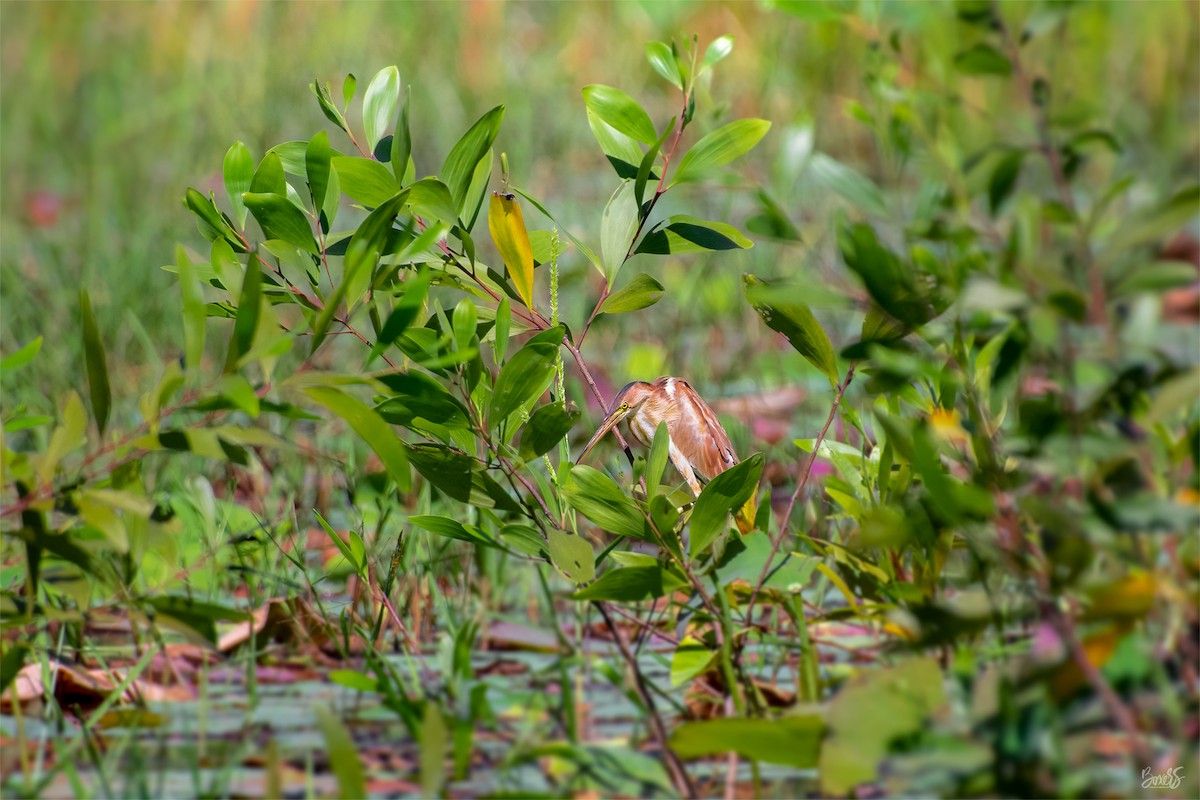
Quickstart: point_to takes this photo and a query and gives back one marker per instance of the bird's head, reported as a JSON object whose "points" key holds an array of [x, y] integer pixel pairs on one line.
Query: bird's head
{"points": [[627, 401]]}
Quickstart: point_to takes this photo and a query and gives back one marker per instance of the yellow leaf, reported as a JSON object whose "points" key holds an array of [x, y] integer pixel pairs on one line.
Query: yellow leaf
{"points": [[507, 226]]}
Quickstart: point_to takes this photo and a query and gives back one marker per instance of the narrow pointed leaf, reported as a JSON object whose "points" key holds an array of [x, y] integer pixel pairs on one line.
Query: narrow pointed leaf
{"points": [[96, 363], [546, 427], [664, 63], [617, 227], [524, 377], [365, 180], [719, 148], [460, 164], [724, 494], [684, 234], [280, 219], [717, 50], [238, 170], [246, 324], [623, 152], [783, 311], [371, 428], [597, 497], [379, 104], [641, 292], [620, 111]]}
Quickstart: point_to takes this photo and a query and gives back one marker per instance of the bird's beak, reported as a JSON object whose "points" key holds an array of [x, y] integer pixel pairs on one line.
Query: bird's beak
{"points": [[609, 423]]}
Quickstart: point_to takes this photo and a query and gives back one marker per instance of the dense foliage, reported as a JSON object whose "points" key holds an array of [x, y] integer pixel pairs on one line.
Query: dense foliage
{"points": [[974, 574]]}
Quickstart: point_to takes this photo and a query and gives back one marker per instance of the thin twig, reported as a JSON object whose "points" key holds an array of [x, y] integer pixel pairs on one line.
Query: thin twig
{"points": [[679, 776], [787, 514], [1098, 308]]}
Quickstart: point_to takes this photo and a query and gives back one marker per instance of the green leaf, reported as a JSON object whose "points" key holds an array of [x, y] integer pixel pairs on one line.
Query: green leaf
{"points": [[617, 227], [464, 322], [793, 740], [859, 190], [371, 428], [645, 170], [475, 144], [1159, 276], [546, 427], [269, 178], [1004, 178], [500, 337], [572, 554], [195, 321], [330, 111], [632, 585], [889, 281], [238, 169], [443, 526], [365, 180], [782, 310], [430, 198], [507, 226], [717, 50], [14, 361], [434, 740], [1149, 224], [525, 376], [524, 539], [280, 219], [213, 224], [664, 62], [719, 148], [459, 476], [96, 363], [691, 658], [420, 397], [402, 140], [379, 104], [982, 59], [656, 462], [11, 663], [355, 556], [349, 85], [317, 163], [641, 292], [620, 111], [684, 234], [596, 496], [362, 255], [292, 157], [342, 753], [404, 312], [724, 494], [1180, 392], [623, 152], [246, 324]]}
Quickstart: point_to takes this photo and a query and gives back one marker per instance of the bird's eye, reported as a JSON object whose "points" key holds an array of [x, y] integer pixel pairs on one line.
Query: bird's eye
{"points": [[624, 406]]}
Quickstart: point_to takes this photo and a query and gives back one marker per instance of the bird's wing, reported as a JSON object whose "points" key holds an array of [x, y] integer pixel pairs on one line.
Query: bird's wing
{"points": [[699, 435]]}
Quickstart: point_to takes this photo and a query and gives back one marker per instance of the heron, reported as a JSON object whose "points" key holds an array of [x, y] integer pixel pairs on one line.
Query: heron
{"points": [[698, 446]]}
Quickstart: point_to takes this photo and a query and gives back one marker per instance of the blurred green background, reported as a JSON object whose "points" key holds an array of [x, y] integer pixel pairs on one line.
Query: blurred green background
{"points": [[111, 110]]}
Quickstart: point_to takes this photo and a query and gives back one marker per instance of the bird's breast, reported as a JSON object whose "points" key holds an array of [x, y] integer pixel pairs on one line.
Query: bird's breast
{"points": [[642, 428]]}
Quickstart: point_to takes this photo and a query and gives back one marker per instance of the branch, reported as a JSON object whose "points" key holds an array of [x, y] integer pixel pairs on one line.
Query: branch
{"points": [[679, 776], [787, 514], [1098, 310]]}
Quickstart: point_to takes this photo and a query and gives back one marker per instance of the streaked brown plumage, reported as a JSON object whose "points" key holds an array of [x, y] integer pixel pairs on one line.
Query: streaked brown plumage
{"points": [[699, 446]]}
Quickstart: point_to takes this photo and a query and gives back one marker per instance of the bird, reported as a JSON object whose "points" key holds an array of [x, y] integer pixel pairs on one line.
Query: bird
{"points": [[698, 446]]}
